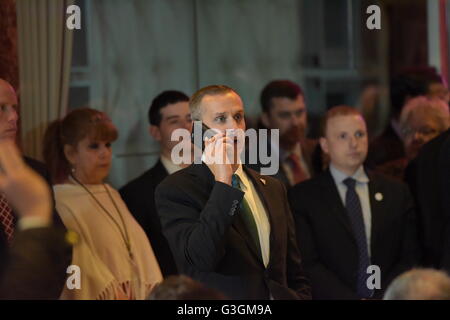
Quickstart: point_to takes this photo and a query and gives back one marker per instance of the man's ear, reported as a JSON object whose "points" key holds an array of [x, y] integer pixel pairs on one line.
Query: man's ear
{"points": [[324, 144], [155, 132], [265, 119], [70, 152]]}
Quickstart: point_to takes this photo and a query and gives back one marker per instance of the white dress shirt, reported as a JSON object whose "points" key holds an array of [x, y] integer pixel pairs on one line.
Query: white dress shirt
{"points": [[362, 189], [169, 165], [259, 213]]}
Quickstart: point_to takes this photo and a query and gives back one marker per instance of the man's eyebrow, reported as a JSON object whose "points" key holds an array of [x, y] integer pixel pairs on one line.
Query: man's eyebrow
{"points": [[220, 114], [172, 117]]}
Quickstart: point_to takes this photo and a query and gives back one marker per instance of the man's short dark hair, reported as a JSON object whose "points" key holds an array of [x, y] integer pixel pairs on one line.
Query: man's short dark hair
{"points": [[279, 89], [410, 83], [162, 100]]}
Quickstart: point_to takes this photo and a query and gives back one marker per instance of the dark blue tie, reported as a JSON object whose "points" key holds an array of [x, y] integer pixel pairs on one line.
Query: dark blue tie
{"points": [[354, 211]]}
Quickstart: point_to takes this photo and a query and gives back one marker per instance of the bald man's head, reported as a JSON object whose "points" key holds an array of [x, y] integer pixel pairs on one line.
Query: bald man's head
{"points": [[419, 284], [8, 111]]}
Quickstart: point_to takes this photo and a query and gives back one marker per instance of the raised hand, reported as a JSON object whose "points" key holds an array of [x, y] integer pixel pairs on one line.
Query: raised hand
{"points": [[24, 189]]}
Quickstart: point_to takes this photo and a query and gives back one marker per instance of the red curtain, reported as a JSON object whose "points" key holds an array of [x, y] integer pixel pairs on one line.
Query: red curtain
{"points": [[8, 43]]}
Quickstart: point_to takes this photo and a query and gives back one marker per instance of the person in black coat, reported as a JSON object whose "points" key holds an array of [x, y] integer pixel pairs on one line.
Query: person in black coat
{"points": [[348, 219], [429, 179], [229, 227], [169, 111]]}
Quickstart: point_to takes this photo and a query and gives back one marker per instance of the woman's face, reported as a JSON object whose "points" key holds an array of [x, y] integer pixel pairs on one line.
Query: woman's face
{"points": [[91, 160]]}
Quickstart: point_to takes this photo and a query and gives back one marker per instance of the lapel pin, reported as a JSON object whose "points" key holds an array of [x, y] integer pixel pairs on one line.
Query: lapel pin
{"points": [[263, 181], [378, 196]]}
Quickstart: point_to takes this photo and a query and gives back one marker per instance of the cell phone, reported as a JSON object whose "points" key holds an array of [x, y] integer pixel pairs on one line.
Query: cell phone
{"points": [[206, 132]]}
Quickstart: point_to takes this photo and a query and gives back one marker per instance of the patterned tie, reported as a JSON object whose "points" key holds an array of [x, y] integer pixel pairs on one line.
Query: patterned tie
{"points": [[247, 215], [298, 173], [354, 211], [6, 218]]}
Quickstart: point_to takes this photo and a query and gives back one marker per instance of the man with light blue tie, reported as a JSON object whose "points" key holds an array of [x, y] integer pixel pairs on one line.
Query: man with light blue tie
{"points": [[355, 229]]}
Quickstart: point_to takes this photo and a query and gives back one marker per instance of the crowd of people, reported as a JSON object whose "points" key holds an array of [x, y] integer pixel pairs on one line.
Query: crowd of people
{"points": [[336, 207]]}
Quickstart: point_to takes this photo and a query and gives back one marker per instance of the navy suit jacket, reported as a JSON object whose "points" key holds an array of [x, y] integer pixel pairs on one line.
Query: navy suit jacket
{"points": [[326, 239]]}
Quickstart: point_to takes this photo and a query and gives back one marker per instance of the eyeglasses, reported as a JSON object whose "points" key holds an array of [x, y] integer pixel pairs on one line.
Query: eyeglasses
{"points": [[425, 132]]}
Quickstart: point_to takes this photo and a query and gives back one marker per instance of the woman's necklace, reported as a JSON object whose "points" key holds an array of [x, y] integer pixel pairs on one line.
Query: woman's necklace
{"points": [[124, 234]]}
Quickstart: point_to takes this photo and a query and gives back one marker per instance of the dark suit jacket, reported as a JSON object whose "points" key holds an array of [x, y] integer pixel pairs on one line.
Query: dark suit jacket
{"points": [[200, 218], [139, 195], [35, 265], [326, 240], [308, 147], [429, 178]]}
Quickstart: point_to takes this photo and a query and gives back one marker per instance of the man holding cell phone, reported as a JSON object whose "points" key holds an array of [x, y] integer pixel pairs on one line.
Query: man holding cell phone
{"points": [[229, 227]]}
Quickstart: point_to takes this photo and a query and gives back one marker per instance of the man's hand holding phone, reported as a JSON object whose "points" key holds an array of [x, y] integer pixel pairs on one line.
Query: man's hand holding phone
{"points": [[219, 156]]}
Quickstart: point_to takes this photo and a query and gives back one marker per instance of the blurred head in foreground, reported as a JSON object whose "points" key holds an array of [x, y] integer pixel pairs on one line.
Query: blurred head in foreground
{"points": [[420, 284], [183, 288]]}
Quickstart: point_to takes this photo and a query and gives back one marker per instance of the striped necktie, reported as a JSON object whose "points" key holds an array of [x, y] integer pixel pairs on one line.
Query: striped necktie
{"points": [[298, 173]]}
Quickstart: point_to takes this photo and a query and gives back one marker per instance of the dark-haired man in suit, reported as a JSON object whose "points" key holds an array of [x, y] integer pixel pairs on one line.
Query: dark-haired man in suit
{"points": [[168, 111], [229, 227], [284, 109], [348, 219]]}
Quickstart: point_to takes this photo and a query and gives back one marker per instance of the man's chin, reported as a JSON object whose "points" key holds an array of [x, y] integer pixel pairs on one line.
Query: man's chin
{"points": [[289, 141], [356, 164]]}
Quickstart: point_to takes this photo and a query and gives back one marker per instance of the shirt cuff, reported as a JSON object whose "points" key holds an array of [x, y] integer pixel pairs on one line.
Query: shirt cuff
{"points": [[32, 222]]}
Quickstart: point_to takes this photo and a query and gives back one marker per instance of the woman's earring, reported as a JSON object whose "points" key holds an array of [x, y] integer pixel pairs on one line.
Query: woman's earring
{"points": [[72, 170]]}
